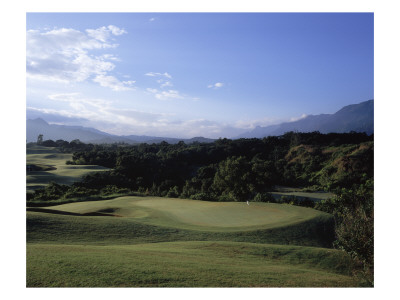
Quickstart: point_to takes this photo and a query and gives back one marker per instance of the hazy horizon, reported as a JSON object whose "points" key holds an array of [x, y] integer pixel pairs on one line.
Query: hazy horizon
{"points": [[195, 74]]}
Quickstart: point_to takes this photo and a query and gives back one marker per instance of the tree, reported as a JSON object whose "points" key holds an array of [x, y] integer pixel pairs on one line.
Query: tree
{"points": [[233, 178], [40, 139], [353, 210]]}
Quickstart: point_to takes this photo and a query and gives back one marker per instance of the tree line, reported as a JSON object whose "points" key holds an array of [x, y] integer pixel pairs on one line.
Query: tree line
{"points": [[229, 170]]}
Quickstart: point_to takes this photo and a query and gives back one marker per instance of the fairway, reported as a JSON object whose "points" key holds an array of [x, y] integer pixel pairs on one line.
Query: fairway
{"points": [[186, 264], [52, 167], [195, 214]]}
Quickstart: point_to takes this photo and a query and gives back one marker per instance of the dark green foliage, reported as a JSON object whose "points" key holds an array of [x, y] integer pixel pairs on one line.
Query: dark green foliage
{"points": [[49, 143], [228, 169], [233, 179], [51, 192], [353, 210], [264, 197], [299, 201]]}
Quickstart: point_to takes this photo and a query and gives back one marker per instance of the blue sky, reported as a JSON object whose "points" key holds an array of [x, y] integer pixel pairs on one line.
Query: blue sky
{"points": [[195, 74]]}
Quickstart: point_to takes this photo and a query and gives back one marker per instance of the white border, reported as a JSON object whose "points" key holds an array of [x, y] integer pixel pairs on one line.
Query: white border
{"points": [[13, 142]]}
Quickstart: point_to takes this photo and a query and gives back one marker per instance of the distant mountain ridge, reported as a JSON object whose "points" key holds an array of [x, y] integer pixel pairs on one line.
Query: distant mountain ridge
{"points": [[90, 135], [354, 117]]}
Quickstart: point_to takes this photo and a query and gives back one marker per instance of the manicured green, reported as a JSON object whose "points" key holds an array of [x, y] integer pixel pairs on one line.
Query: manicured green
{"points": [[186, 264], [195, 214]]}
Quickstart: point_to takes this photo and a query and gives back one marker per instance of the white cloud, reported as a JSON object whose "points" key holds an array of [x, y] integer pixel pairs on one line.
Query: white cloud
{"points": [[152, 19], [152, 90], [115, 30], [216, 85], [103, 33], [170, 94], [113, 83], [165, 95], [76, 100], [65, 55], [164, 83], [154, 74], [251, 124], [298, 118]]}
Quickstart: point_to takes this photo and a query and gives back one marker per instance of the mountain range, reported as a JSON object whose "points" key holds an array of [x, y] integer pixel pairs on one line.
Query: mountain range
{"points": [[355, 117], [37, 126]]}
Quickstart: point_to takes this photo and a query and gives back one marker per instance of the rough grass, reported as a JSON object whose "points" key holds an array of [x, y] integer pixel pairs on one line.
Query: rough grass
{"points": [[186, 264], [53, 168]]}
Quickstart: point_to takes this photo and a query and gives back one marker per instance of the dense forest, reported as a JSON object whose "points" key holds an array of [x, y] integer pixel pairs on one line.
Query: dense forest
{"points": [[226, 170]]}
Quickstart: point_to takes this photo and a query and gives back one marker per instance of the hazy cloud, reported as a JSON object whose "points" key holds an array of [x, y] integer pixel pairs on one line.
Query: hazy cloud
{"points": [[54, 116]]}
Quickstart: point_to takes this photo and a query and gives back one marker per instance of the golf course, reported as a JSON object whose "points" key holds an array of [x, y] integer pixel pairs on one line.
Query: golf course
{"points": [[127, 238], [153, 241], [47, 164]]}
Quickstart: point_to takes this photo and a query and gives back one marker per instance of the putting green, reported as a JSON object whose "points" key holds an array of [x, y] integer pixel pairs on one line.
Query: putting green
{"points": [[194, 214]]}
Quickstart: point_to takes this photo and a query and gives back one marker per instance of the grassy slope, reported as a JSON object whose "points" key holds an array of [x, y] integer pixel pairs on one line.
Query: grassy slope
{"points": [[186, 264], [62, 174]]}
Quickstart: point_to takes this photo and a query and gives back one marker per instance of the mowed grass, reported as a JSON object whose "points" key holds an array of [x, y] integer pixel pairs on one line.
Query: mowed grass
{"points": [[60, 172], [157, 242], [195, 214], [186, 264], [126, 221]]}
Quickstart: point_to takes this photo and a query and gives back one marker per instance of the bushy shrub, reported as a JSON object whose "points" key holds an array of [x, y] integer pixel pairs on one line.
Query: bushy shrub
{"points": [[202, 196], [225, 198], [113, 189], [76, 192], [51, 192], [264, 197], [173, 192]]}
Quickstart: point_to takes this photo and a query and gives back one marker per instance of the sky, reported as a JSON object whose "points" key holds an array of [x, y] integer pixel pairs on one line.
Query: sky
{"points": [[195, 74]]}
